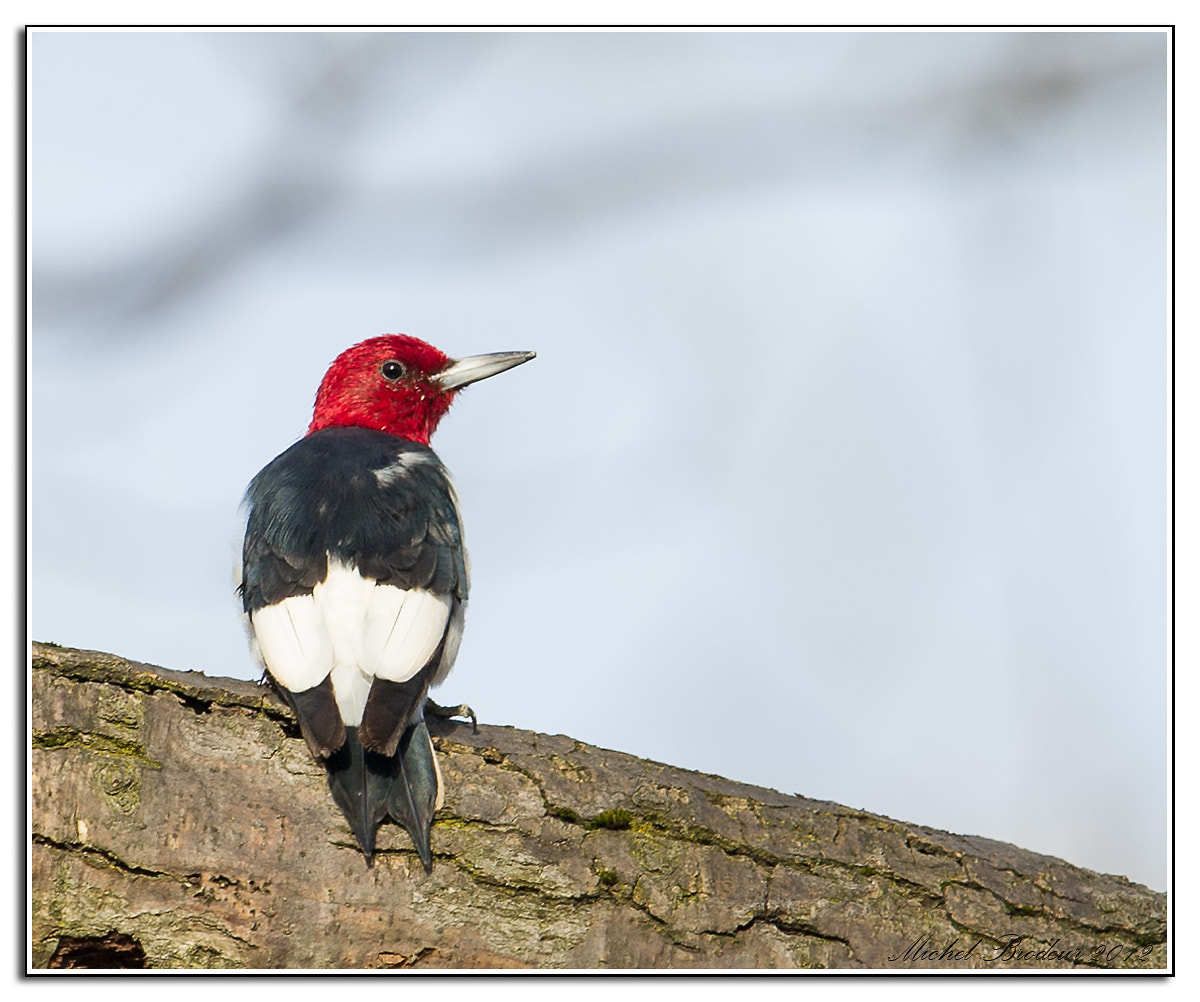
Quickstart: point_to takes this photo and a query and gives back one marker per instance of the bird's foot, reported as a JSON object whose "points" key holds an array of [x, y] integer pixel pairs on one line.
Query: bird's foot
{"points": [[450, 712]]}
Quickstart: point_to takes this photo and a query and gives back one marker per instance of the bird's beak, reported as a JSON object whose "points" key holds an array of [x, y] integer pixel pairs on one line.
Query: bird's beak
{"points": [[470, 370]]}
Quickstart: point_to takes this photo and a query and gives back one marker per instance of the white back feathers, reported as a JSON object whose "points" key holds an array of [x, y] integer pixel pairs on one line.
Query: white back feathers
{"points": [[353, 628]]}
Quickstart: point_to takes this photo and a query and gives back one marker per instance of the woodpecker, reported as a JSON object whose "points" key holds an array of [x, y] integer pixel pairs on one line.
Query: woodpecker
{"points": [[354, 577]]}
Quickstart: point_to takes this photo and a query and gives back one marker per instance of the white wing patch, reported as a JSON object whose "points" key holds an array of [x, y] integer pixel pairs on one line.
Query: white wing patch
{"points": [[400, 639], [354, 628], [294, 642]]}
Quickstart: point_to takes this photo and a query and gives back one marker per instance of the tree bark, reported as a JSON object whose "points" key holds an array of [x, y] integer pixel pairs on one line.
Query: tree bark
{"points": [[178, 821]]}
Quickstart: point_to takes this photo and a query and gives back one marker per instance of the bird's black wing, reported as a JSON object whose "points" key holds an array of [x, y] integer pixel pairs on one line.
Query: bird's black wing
{"points": [[381, 503]]}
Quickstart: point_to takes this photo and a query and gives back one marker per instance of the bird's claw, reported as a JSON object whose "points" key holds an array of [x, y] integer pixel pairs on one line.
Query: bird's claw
{"points": [[450, 712]]}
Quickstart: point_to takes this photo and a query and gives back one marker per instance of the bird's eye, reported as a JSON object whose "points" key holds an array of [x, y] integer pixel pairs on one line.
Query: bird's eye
{"points": [[392, 370]]}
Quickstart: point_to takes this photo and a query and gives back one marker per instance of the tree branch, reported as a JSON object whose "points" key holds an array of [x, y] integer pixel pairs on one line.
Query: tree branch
{"points": [[180, 822]]}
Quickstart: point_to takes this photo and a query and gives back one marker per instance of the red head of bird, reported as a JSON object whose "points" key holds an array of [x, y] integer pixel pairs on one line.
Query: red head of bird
{"points": [[399, 385]]}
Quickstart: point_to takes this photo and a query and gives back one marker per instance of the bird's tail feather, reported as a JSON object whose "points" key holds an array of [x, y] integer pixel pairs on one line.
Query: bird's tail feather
{"points": [[359, 781], [368, 787], [413, 796]]}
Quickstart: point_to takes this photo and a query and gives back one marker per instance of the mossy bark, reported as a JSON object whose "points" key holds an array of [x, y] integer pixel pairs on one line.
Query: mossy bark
{"points": [[180, 822]]}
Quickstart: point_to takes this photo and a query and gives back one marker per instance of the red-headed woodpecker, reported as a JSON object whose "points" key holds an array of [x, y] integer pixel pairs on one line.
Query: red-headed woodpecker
{"points": [[354, 576]]}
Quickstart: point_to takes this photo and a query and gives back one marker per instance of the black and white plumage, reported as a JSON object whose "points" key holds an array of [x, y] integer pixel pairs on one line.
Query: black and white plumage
{"points": [[355, 583], [354, 576]]}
